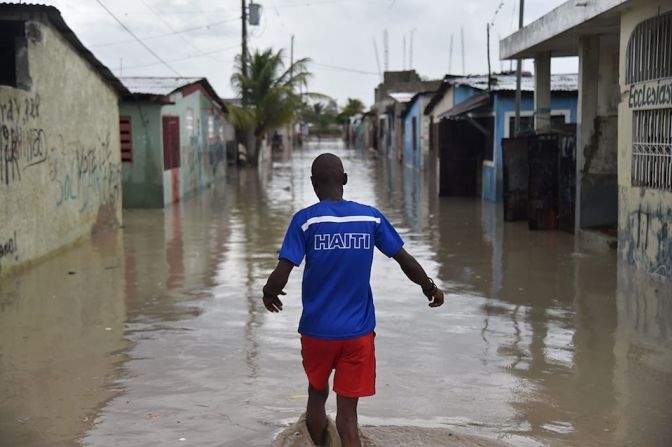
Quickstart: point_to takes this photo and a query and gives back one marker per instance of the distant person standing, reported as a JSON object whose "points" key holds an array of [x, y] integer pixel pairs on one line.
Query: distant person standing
{"points": [[337, 325]]}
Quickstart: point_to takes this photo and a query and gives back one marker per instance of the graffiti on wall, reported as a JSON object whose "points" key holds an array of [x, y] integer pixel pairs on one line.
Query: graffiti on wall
{"points": [[9, 247], [23, 143], [79, 171], [85, 174]]}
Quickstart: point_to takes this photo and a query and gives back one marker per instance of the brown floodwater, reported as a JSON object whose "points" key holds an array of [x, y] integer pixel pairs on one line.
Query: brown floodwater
{"points": [[156, 336]]}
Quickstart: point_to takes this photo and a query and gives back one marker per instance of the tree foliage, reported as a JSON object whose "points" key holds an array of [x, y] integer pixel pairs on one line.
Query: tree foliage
{"points": [[270, 92]]}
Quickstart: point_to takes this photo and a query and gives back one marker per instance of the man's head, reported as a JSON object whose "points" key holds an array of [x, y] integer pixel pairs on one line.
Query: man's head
{"points": [[328, 177]]}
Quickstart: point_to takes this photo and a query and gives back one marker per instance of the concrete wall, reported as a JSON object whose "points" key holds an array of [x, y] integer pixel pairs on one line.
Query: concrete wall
{"points": [[417, 159], [202, 149], [204, 132], [143, 176], [60, 157], [504, 107], [446, 103], [598, 132], [645, 215]]}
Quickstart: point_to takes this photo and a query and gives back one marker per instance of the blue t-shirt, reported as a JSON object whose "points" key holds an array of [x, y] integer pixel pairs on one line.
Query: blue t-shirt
{"points": [[337, 240]]}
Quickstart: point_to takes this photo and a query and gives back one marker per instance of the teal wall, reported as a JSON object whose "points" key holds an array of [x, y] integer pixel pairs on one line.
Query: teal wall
{"points": [[142, 179], [202, 154]]}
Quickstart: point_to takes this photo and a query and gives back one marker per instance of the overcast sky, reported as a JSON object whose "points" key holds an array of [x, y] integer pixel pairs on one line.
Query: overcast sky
{"points": [[337, 35]]}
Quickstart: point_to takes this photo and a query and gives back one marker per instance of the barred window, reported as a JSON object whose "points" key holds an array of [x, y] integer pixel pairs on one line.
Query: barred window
{"points": [[649, 52], [652, 149]]}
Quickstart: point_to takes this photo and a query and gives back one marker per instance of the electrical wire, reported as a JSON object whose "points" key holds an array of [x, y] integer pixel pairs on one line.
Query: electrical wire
{"points": [[170, 27], [163, 62], [157, 36], [350, 70], [209, 53]]}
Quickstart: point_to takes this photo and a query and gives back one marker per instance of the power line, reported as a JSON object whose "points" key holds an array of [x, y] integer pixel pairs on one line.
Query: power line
{"points": [[350, 70], [137, 38], [170, 27], [209, 53], [157, 36]]}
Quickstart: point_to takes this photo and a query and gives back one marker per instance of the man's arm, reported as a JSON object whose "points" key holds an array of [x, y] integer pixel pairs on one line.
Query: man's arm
{"points": [[276, 282], [416, 273]]}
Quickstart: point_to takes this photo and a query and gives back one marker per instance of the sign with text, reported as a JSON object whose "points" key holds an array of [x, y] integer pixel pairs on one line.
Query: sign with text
{"points": [[651, 95]]}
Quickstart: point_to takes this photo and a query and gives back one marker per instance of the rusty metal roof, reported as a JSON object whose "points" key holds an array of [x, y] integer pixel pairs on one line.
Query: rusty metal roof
{"points": [[157, 85], [36, 11], [162, 86]]}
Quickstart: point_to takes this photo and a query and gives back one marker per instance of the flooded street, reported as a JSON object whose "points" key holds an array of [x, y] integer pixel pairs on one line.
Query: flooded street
{"points": [[156, 335]]}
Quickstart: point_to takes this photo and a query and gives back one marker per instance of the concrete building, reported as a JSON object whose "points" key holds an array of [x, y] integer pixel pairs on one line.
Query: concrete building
{"points": [[470, 118], [416, 131], [60, 157], [624, 157], [391, 98], [174, 139]]}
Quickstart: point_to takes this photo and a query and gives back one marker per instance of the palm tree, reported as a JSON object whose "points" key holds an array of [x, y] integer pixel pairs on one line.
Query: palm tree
{"points": [[352, 108], [269, 90]]}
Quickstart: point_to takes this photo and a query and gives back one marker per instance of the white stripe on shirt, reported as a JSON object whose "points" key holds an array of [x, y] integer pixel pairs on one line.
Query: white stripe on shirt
{"points": [[336, 219]]}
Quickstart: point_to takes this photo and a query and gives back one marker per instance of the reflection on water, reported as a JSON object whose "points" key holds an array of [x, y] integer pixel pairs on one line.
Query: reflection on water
{"points": [[161, 336]]}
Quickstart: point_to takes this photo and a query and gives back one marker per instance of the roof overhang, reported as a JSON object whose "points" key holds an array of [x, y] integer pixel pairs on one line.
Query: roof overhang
{"points": [[468, 105], [53, 15], [558, 31]]}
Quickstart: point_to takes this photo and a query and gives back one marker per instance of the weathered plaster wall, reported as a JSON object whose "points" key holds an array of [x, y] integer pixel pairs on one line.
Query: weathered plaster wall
{"points": [[60, 160], [444, 105], [645, 215], [143, 176], [598, 133], [202, 149]]}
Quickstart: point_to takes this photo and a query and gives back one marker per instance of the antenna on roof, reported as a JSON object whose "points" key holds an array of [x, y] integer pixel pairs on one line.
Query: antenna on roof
{"points": [[386, 49], [464, 63], [450, 56], [375, 50]]}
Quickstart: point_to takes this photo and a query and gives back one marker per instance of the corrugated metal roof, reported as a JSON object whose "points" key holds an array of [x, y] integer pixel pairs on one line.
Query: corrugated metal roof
{"points": [[54, 16], [156, 85], [163, 86], [507, 82], [402, 96]]}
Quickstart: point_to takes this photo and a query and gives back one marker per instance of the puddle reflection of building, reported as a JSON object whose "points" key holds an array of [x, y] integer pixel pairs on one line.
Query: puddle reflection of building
{"points": [[61, 334], [174, 248], [264, 205], [562, 338], [643, 366], [172, 256]]}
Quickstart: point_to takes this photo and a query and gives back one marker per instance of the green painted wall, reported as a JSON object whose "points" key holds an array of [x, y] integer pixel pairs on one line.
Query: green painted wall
{"points": [[142, 179]]}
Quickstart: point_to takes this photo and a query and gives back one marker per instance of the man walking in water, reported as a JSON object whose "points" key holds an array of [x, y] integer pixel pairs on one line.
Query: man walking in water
{"points": [[337, 325]]}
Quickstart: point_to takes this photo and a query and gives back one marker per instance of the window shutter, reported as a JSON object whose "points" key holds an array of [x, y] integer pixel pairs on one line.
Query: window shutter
{"points": [[126, 138]]}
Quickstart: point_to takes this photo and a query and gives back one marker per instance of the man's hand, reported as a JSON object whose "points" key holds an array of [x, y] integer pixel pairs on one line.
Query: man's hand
{"points": [[273, 303], [276, 282], [437, 299], [417, 274]]}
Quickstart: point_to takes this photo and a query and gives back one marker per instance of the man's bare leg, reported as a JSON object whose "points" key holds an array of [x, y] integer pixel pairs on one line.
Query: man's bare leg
{"points": [[316, 415], [346, 421]]}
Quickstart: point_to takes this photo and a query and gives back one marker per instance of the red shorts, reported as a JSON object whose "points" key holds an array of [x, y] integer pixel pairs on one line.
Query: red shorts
{"points": [[354, 361]]}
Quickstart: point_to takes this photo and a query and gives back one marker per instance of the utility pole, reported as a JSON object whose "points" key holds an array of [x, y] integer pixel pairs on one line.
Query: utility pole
{"points": [[243, 55], [404, 53], [291, 74], [291, 56], [519, 73]]}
